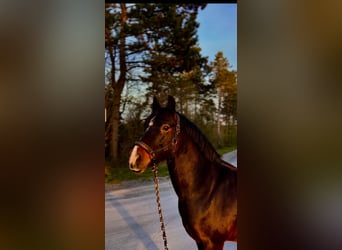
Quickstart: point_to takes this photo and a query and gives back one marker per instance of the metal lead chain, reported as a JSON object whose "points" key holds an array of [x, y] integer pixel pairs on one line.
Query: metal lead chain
{"points": [[162, 226]]}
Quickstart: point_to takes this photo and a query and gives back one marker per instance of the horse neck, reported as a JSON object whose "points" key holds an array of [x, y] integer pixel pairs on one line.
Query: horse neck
{"points": [[188, 168]]}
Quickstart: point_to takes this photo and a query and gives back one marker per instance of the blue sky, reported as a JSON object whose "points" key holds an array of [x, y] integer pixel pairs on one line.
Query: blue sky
{"points": [[218, 31]]}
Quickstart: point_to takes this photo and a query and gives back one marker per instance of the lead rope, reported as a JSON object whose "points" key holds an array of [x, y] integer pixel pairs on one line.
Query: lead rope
{"points": [[156, 182]]}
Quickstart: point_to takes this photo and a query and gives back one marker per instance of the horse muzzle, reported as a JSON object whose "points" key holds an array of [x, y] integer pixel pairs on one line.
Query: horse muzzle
{"points": [[139, 160]]}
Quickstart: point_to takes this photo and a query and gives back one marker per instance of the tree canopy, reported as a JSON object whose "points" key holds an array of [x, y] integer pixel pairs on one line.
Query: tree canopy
{"points": [[152, 50]]}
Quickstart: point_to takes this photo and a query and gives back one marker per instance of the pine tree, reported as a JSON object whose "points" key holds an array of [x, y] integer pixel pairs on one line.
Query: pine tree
{"points": [[174, 52], [225, 82]]}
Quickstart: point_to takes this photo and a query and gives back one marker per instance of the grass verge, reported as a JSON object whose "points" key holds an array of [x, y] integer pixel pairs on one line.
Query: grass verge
{"points": [[123, 173], [224, 150]]}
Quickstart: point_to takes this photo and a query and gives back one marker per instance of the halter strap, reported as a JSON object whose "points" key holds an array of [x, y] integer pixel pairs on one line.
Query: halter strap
{"points": [[152, 152], [146, 147]]}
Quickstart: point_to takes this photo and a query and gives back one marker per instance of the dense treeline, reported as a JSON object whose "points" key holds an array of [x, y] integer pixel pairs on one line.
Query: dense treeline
{"points": [[152, 50]]}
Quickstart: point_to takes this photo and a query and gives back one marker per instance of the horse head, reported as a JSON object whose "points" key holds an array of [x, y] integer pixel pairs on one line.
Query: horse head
{"points": [[162, 129]]}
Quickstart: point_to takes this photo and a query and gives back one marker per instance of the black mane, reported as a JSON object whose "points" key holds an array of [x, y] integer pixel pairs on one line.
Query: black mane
{"points": [[203, 144]]}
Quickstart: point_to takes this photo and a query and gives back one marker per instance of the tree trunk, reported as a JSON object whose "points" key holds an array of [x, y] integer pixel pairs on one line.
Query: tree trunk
{"points": [[219, 95], [115, 124], [118, 87]]}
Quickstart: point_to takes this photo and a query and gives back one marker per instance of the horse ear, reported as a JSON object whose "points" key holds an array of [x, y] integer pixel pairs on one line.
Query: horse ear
{"points": [[155, 105], [171, 104]]}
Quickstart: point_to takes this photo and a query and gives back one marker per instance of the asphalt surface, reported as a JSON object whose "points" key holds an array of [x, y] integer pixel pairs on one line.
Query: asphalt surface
{"points": [[231, 157], [132, 220]]}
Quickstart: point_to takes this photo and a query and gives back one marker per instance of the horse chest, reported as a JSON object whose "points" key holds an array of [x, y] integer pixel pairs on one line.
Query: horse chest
{"points": [[204, 221]]}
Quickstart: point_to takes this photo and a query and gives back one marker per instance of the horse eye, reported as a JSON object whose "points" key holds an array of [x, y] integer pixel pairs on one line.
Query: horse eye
{"points": [[166, 127]]}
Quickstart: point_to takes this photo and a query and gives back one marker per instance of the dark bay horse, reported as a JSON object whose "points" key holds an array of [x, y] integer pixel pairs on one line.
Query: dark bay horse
{"points": [[206, 185]]}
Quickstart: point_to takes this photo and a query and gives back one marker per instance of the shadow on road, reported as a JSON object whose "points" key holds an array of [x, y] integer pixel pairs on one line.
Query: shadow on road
{"points": [[133, 225]]}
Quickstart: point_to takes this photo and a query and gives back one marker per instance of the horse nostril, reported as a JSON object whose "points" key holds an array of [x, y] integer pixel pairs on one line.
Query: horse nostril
{"points": [[136, 160]]}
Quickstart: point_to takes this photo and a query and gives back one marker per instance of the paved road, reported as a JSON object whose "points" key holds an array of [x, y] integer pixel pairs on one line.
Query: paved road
{"points": [[132, 220], [231, 157]]}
